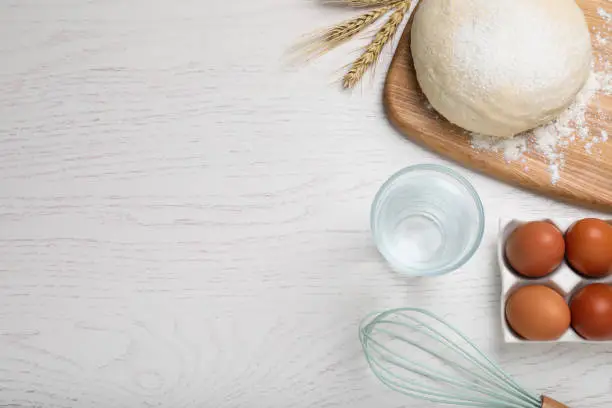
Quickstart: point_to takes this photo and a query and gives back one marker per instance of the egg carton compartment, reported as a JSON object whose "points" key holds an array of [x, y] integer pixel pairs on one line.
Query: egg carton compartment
{"points": [[564, 280]]}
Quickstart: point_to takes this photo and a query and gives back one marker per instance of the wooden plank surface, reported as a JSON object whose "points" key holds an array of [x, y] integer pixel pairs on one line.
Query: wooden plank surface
{"points": [[184, 223], [585, 178]]}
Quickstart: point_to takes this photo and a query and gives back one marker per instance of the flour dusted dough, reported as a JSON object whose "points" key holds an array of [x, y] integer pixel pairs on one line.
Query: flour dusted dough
{"points": [[500, 67]]}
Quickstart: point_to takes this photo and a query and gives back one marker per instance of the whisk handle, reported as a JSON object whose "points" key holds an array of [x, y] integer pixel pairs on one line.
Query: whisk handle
{"points": [[551, 403]]}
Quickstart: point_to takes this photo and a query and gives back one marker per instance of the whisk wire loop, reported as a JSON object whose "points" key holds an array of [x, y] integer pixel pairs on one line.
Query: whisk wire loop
{"points": [[414, 352], [423, 370], [494, 373]]}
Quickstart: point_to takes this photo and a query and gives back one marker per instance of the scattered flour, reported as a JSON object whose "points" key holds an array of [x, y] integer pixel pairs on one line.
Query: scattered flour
{"points": [[601, 40], [513, 148], [551, 139], [553, 169], [604, 14]]}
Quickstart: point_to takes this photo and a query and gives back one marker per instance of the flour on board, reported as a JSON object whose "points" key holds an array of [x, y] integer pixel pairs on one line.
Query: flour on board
{"points": [[604, 14]]}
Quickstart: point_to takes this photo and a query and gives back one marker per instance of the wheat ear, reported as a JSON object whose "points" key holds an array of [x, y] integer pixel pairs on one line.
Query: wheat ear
{"points": [[360, 3], [338, 34], [372, 52]]}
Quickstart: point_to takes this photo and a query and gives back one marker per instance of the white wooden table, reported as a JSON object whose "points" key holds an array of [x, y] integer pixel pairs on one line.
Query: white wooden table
{"points": [[184, 218]]}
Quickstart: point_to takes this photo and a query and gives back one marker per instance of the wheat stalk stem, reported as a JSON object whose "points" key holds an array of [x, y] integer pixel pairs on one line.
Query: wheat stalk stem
{"points": [[337, 35], [360, 3], [372, 52]]}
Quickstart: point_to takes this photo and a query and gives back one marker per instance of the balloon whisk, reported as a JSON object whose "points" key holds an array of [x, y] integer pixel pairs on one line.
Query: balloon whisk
{"points": [[418, 354]]}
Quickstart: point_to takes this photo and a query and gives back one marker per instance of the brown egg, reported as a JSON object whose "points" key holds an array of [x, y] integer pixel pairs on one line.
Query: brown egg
{"points": [[537, 312], [591, 311], [535, 249], [589, 247]]}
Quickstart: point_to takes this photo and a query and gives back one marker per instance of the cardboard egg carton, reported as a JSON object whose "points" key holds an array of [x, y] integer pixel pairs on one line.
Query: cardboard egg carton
{"points": [[564, 280]]}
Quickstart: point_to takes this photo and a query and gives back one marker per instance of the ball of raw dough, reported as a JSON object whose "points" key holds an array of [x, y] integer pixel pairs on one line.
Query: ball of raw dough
{"points": [[500, 67]]}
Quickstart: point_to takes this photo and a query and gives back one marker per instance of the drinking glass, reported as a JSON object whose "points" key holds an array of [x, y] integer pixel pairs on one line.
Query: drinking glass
{"points": [[427, 220]]}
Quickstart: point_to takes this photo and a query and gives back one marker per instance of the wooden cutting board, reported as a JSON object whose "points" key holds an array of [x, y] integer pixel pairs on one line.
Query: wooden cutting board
{"points": [[585, 179]]}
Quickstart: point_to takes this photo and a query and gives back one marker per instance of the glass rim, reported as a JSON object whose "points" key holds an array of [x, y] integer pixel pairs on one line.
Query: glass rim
{"points": [[436, 168]]}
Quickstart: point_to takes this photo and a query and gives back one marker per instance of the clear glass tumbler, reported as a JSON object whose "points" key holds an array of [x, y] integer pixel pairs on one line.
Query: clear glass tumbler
{"points": [[427, 220]]}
